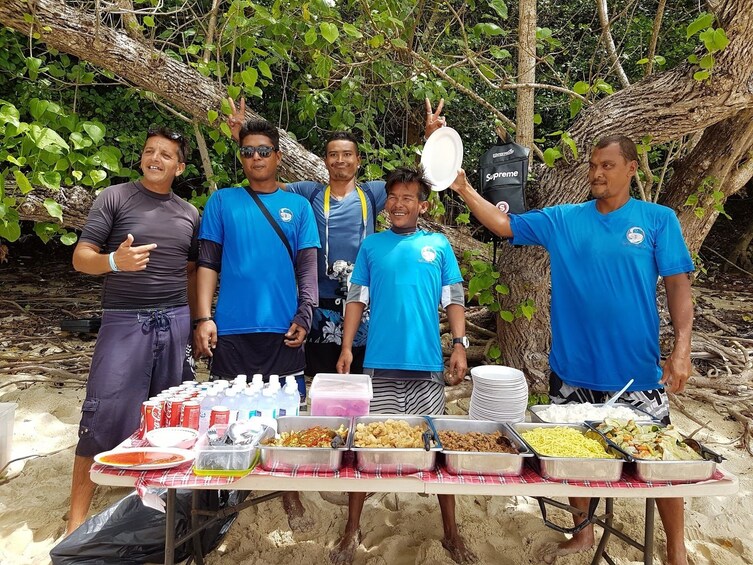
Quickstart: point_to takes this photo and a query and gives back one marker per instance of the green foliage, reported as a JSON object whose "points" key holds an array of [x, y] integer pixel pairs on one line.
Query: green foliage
{"points": [[712, 39], [707, 195]]}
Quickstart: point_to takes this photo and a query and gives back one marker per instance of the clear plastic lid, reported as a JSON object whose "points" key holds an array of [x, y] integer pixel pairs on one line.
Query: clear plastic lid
{"points": [[334, 385]]}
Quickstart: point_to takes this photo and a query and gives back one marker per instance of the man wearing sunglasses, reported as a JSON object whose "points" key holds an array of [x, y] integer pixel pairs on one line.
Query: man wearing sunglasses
{"points": [[143, 238], [346, 212], [263, 240]]}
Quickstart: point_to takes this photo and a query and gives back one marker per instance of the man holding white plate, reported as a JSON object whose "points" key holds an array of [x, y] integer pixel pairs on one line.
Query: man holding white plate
{"points": [[606, 257]]}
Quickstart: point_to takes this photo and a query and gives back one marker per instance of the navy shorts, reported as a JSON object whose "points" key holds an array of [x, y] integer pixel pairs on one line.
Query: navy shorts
{"points": [[137, 355], [324, 341], [655, 401]]}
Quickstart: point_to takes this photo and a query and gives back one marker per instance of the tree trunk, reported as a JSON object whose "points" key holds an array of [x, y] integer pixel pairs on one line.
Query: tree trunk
{"points": [[526, 73], [73, 31]]}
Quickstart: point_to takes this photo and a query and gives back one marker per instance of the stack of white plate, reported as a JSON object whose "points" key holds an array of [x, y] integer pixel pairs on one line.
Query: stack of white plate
{"points": [[499, 394]]}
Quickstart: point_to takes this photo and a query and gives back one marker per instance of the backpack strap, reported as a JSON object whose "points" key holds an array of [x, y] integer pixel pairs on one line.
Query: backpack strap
{"points": [[366, 189]]}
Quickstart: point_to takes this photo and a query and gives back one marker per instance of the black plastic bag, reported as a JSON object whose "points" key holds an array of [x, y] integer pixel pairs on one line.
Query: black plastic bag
{"points": [[129, 532]]}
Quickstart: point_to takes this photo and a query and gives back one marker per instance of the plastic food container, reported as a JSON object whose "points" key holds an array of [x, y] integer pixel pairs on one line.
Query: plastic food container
{"points": [[340, 395], [400, 460], [274, 458], [573, 468], [224, 460], [7, 411], [183, 438], [478, 463]]}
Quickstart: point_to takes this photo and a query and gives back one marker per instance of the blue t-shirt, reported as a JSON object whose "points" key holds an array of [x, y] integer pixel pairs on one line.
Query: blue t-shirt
{"points": [[605, 323], [346, 229], [405, 275], [258, 291]]}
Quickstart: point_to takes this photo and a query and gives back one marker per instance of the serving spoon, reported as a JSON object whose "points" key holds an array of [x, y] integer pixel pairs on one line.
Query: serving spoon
{"points": [[613, 400]]}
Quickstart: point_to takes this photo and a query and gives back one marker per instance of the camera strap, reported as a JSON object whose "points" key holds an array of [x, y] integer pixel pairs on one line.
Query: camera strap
{"points": [[364, 215], [272, 222]]}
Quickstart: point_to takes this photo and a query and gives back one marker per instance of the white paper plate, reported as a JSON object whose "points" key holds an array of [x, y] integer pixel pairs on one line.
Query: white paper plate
{"points": [[442, 157], [184, 456]]}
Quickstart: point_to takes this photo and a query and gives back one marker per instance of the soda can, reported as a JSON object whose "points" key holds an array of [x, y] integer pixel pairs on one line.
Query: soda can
{"points": [[219, 416], [190, 416], [151, 417], [173, 407]]}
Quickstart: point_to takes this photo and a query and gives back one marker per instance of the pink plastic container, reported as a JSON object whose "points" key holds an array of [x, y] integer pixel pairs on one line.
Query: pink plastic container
{"points": [[340, 395]]}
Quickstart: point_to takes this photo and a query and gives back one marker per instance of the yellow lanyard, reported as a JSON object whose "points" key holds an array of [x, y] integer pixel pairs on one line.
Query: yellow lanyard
{"points": [[364, 215]]}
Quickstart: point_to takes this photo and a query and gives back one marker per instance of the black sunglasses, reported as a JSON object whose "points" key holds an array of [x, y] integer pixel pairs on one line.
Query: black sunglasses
{"points": [[264, 151], [164, 132]]}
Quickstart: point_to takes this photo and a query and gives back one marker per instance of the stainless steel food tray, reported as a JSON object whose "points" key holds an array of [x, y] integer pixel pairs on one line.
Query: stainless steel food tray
{"points": [[651, 470], [275, 458], [572, 468], [537, 408], [395, 460], [482, 463]]}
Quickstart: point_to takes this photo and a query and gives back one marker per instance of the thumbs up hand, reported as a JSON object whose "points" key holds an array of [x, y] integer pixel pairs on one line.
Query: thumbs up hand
{"points": [[129, 257]]}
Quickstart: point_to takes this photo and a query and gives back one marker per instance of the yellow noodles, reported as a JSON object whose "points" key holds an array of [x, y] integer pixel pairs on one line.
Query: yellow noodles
{"points": [[564, 442]]}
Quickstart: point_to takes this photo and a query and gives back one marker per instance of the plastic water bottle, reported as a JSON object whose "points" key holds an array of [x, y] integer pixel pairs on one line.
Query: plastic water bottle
{"points": [[258, 381], [246, 403], [240, 380], [289, 398], [274, 382], [267, 406], [210, 400], [231, 401]]}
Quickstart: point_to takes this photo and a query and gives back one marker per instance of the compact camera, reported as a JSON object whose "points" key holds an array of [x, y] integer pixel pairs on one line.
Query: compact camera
{"points": [[341, 271]]}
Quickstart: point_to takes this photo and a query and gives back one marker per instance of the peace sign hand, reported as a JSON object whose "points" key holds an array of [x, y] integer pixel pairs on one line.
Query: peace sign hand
{"points": [[236, 119], [433, 119]]}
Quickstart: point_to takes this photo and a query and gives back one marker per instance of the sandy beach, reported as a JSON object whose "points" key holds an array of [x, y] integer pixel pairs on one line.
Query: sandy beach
{"points": [[397, 529]]}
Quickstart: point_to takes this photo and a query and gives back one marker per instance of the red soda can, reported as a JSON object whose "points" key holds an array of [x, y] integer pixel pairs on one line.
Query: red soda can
{"points": [[220, 416], [173, 407], [190, 416], [151, 417]]}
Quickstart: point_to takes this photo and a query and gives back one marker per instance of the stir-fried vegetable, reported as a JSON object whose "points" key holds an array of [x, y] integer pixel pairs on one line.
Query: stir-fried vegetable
{"points": [[648, 441]]}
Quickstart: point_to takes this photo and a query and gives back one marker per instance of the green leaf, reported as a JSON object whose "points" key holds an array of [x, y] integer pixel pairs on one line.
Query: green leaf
{"points": [[575, 106], [551, 155], [68, 238], [9, 114], [692, 200], [79, 141], [109, 158], [20, 162], [233, 91], [224, 128], [148, 21], [329, 31], [642, 61], [38, 107], [78, 175], [659, 60], [97, 176], [571, 144], [693, 59], [352, 31], [699, 212], [528, 310], [212, 115], [10, 229], [487, 71], [95, 130], [463, 219], [495, 352], [537, 119], [701, 75], [399, 43], [707, 62], [49, 140], [310, 37], [249, 75], [502, 289], [480, 266], [506, 315], [701, 22], [376, 41], [486, 28], [50, 179], [225, 105], [53, 208], [264, 69], [581, 87], [499, 53], [720, 39], [33, 64], [23, 183], [500, 7], [45, 230]]}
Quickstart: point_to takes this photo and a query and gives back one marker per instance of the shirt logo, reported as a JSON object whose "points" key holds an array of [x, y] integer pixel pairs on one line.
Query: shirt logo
{"points": [[635, 235], [503, 206], [428, 254], [285, 214]]}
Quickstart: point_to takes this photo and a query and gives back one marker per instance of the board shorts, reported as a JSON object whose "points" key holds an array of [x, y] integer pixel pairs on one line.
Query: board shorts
{"points": [[324, 340], [420, 393], [654, 401], [138, 354]]}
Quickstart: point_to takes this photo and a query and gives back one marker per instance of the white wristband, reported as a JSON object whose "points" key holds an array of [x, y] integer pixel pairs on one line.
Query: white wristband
{"points": [[111, 259]]}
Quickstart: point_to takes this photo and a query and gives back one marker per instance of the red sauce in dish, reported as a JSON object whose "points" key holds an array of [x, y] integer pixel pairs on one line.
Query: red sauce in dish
{"points": [[140, 458]]}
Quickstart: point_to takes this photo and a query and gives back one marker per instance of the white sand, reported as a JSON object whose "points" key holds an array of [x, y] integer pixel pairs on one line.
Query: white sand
{"points": [[397, 529]]}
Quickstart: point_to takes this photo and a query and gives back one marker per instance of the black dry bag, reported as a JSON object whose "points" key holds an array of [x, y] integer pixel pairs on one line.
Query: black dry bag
{"points": [[503, 171]]}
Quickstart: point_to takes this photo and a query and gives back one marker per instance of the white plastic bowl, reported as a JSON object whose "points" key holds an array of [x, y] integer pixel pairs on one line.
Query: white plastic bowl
{"points": [[183, 438]]}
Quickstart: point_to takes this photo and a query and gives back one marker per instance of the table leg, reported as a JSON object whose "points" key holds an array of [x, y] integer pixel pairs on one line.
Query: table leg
{"points": [[648, 533], [608, 520], [170, 528], [197, 549]]}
